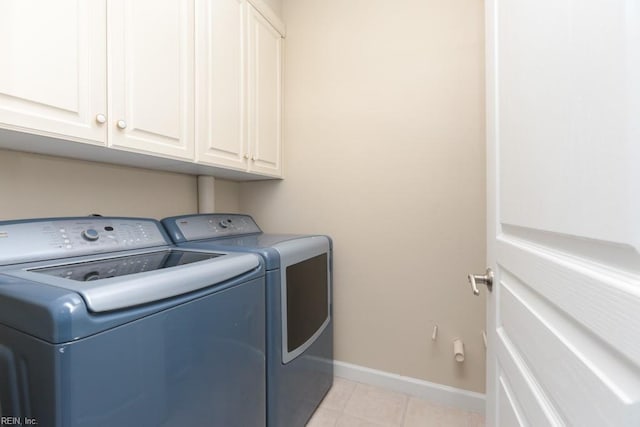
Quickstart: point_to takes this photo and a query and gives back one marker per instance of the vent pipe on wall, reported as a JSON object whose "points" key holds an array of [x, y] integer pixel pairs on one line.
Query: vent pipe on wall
{"points": [[206, 194], [458, 350]]}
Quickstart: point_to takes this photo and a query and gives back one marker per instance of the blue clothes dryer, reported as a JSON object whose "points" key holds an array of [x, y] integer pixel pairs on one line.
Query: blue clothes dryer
{"points": [[299, 306]]}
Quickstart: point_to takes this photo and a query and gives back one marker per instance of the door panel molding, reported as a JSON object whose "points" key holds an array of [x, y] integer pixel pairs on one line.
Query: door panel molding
{"points": [[564, 356], [530, 402], [615, 256], [583, 291]]}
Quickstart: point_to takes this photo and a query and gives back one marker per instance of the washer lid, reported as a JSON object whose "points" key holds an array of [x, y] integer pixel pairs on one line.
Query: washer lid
{"points": [[86, 271], [172, 275]]}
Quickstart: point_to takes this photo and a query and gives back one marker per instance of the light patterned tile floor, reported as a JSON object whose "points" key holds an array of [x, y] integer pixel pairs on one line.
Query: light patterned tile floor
{"points": [[352, 404]]}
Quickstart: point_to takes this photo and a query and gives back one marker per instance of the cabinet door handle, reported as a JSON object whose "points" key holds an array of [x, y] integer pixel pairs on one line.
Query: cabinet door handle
{"points": [[101, 118], [246, 156], [121, 124]]}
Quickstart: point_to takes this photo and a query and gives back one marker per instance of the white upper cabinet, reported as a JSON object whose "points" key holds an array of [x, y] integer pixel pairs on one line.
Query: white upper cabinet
{"points": [[221, 132], [151, 76], [265, 96], [53, 73], [238, 88], [191, 86]]}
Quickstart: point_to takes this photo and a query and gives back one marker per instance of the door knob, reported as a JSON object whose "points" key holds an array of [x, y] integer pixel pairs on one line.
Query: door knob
{"points": [[483, 279], [101, 118], [121, 124]]}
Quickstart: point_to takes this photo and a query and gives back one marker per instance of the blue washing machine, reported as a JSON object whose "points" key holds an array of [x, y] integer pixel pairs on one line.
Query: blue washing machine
{"points": [[104, 323], [299, 306]]}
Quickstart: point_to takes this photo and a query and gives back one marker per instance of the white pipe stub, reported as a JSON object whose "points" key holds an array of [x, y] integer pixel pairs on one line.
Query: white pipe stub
{"points": [[458, 350]]}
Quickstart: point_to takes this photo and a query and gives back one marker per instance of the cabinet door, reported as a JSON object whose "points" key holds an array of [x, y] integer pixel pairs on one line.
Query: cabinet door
{"points": [[53, 77], [151, 76], [220, 83], [265, 95]]}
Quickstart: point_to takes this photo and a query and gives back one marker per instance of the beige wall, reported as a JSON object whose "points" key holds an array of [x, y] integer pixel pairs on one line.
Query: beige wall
{"points": [[33, 185], [42, 186], [385, 152], [227, 196]]}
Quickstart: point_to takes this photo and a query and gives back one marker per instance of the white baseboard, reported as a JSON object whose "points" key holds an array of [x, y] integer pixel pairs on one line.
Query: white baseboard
{"points": [[437, 393]]}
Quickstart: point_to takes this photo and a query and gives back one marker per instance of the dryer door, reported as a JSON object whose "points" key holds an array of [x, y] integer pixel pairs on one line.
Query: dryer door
{"points": [[306, 293]]}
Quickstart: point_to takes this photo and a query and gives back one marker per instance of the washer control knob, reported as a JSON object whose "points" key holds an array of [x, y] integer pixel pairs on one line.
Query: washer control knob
{"points": [[94, 275], [90, 234], [224, 223]]}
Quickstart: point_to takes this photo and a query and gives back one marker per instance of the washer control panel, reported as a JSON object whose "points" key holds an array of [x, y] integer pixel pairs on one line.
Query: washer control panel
{"points": [[209, 226], [36, 240]]}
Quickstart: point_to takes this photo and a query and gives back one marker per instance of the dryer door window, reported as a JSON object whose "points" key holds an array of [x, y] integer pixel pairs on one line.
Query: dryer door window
{"points": [[307, 284]]}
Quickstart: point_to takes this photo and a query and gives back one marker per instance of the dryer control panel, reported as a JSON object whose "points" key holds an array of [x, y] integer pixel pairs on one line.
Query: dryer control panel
{"points": [[35, 240], [209, 226]]}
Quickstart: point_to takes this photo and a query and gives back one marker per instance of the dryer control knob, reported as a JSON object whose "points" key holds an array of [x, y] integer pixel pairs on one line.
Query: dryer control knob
{"points": [[224, 223], [90, 234]]}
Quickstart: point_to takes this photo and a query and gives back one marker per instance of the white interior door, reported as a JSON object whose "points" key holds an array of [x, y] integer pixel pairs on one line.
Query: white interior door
{"points": [[563, 98]]}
